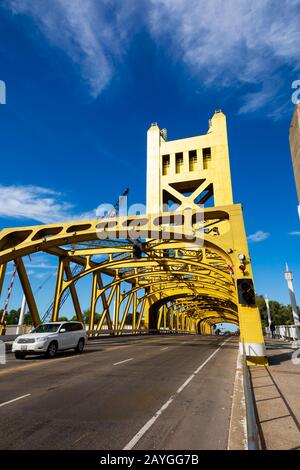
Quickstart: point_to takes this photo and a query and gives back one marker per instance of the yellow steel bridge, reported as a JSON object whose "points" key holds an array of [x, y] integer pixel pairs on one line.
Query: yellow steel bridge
{"points": [[194, 268]]}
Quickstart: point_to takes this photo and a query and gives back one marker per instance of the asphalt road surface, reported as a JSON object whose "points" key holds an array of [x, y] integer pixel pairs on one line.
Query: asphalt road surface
{"points": [[153, 392]]}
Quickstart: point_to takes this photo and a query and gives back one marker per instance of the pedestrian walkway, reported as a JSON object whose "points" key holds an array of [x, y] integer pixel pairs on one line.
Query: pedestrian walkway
{"points": [[277, 391]]}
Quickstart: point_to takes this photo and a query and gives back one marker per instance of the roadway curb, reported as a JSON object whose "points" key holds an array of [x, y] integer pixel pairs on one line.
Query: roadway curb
{"points": [[237, 437]]}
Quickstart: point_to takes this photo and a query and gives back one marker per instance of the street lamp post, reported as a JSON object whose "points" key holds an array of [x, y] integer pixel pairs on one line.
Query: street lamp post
{"points": [[289, 279], [268, 314]]}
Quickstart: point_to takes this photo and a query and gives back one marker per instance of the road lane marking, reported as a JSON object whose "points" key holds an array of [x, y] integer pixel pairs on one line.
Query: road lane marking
{"points": [[15, 399], [122, 362], [163, 349], [57, 360], [152, 420], [81, 437]]}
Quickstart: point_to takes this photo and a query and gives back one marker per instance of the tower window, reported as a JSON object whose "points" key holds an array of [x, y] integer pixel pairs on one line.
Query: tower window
{"points": [[206, 152], [192, 160], [179, 161], [165, 164]]}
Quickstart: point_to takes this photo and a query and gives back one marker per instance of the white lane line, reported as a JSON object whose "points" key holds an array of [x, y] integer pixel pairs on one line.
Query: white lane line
{"points": [[151, 421], [15, 399], [163, 349], [122, 362]]}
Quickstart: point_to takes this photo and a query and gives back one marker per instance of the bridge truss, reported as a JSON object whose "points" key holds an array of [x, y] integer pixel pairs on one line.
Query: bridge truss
{"points": [[186, 279]]}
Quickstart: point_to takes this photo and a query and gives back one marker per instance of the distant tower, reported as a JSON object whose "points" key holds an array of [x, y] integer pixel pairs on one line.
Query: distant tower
{"points": [[289, 279]]}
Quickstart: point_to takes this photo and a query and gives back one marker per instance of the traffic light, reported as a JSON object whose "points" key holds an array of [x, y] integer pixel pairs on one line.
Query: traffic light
{"points": [[246, 292], [137, 249]]}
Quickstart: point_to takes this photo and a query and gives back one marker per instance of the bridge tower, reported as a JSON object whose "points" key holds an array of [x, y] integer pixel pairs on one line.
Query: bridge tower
{"points": [[188, 273], [193, 172]]}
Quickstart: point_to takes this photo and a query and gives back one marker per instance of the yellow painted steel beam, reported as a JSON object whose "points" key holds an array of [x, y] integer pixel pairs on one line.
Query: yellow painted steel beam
{"points": [[81, 260], [106, 312], [129, 300], [2, 275], [26, 240], [93, 302], [134, 307], [58, 289], [117, 307], [74, 295], [140, 317], [28, 292]]}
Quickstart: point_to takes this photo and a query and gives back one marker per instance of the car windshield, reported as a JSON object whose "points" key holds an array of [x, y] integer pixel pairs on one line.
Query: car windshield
{"points": [[47, 328]]}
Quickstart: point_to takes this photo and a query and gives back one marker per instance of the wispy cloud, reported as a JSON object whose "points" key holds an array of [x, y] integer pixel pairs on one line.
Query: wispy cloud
{"points": [[258, 236], [223, 44], [39, 204], [92, 33], [44, 275], [232, 42], [294, 233]]}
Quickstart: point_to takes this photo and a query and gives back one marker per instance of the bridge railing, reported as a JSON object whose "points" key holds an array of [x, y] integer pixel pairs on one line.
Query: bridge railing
{"points": [[106, 332], [287, 331], [253, 438]]}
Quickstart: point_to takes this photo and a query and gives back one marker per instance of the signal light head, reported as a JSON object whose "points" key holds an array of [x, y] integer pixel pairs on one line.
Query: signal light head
{"points": [[137, 249]]}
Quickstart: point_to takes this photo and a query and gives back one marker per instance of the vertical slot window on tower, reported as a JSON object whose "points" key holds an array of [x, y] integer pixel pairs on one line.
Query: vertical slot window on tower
{"points": [[206, 157], [165, 164], [192, 160], [179, 161]]}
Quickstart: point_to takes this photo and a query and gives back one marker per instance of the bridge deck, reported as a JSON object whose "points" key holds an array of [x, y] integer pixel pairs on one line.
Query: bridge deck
{"points": [[103, 398]]}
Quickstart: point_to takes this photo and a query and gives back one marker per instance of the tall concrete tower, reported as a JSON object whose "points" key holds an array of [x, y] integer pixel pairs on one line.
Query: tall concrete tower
{"points": [[194, 170], [183, 175]]}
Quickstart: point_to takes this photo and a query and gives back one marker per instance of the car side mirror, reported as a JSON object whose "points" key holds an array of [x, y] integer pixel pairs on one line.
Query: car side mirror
{"points": [[63, 330]]}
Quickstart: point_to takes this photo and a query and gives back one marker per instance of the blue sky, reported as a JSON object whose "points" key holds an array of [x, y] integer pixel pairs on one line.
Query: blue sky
{"points": [[85, 79]]}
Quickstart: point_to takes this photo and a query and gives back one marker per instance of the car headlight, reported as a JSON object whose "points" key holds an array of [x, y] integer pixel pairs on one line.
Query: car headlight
{"points": [[41, 339]]}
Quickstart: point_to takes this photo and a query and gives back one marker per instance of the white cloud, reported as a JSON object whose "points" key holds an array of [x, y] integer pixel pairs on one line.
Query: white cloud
{"points": [[32, 202], [258, 236], [233, 42], [92, 33], [223, 43], [294, 233], [44, 275], [36, 203]]}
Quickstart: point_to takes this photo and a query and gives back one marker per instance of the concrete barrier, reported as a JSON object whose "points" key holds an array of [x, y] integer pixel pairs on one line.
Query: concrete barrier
{"points": [[287, 332]]}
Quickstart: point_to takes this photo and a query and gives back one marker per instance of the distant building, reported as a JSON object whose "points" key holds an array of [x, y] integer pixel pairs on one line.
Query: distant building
{"points": [[295, 149]]}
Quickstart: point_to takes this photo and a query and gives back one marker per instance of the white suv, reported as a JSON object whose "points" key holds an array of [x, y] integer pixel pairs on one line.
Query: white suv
{"points": [[48, 338]]}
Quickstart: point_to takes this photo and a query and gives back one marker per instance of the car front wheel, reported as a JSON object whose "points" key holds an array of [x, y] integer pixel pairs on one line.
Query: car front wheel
{"points": [[52, 350], [19, 355], [80, 346]]}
